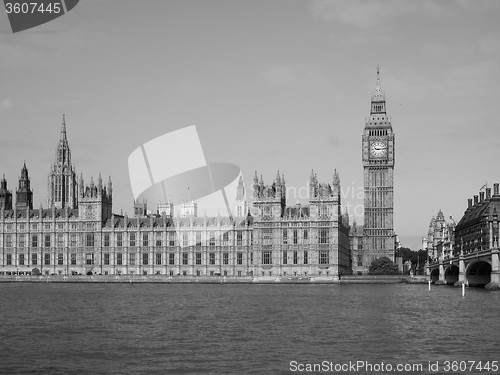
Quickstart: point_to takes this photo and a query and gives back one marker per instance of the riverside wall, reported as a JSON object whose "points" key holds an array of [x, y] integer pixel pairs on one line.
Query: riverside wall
{"points": [[160, 279]]}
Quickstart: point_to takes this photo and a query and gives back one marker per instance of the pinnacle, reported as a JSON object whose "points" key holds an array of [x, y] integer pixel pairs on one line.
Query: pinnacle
{"points": [[63, 128]]}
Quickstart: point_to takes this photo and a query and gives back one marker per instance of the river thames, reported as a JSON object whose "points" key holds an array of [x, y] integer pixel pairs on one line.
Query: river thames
{"points": [[255, 329]]}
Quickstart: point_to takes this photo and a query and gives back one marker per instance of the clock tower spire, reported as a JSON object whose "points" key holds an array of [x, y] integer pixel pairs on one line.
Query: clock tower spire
{"points": [[378, 146]]}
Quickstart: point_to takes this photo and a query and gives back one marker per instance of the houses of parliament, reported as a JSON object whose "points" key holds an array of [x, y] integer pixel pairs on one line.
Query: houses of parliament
{"points": [[78, 233]]}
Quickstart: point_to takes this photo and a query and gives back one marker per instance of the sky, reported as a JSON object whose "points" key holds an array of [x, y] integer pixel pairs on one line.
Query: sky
{"points": [[270, 85]]}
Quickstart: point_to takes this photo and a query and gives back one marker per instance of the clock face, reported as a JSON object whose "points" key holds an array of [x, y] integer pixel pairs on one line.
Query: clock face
{"points": [[378, 149]]}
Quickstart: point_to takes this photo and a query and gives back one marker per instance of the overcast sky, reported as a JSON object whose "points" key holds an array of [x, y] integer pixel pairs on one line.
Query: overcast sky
{"points": [[270, 84]]}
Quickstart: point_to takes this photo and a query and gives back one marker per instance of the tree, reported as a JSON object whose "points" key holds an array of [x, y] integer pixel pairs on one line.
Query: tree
{"points": [[417, 258], [383, 266], [422, 258]]}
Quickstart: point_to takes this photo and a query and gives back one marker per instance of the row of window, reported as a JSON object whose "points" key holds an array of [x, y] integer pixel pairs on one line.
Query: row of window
{"points": [[379, 132], [90, 239], [48, 226], [323, 257], [89, 258], [267, 236]]}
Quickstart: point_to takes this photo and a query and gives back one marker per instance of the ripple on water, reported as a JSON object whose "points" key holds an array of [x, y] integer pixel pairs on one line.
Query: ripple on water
{"points": [[188, 328]]}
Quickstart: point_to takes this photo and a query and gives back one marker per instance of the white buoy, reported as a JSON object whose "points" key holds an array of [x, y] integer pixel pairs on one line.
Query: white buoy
{"points": [[463, 289]]}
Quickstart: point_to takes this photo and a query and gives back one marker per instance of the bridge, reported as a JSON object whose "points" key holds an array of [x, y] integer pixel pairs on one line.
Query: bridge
{"points": [[479, 268]]}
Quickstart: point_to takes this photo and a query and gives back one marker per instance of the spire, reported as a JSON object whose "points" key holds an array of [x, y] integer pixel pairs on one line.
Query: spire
{"points": [[255, 178], [24, 172], [378, 97], [62, 177], [24, 194], [63, 153], [63, 129], [99, 185], [336, 178], [3, 184], [240, 190], [110, 187], [278, 180], [378, 89]]}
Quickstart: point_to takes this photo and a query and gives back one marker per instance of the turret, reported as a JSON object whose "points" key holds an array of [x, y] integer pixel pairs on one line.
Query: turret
{"points": [[277, 184], [336, 184], [270, 200], [241, 207], [140, 209], [24, 194], [110, 188], [5, 195], [95, 201], [312, 185], [240, 190], [81, 189]]}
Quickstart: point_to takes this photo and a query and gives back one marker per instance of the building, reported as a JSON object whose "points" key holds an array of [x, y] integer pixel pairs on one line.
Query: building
{"points": [[474, 258], [165, 208], [311, 240], [189, 208], [440, 238], [79, 234], [356, 236], [478, 229], [378, 153]]}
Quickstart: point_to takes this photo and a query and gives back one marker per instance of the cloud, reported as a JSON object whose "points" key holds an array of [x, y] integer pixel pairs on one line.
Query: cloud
{"points": [[6, 104], [489, 44], [37, 48], [293, 75], [366, 14], [275, 152]]}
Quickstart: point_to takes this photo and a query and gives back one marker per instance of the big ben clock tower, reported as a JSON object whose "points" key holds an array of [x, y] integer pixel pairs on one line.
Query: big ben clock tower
{"points": [[378, 165]]}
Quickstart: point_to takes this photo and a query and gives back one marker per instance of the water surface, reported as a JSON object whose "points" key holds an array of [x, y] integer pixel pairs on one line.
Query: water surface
{"points": [[190, 328]]}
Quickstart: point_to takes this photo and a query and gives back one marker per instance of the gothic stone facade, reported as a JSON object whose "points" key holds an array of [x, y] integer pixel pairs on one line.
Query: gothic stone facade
{"points": [[440, 239], [79, 234]]}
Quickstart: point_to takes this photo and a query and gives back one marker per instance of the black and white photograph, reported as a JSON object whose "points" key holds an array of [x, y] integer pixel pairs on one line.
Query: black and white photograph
{"points": [[249, 187]]}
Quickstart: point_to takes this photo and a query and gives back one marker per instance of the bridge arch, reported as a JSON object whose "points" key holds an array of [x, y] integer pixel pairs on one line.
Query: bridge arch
{"points": [[434, 276], [451, 274], [478, 273]]}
